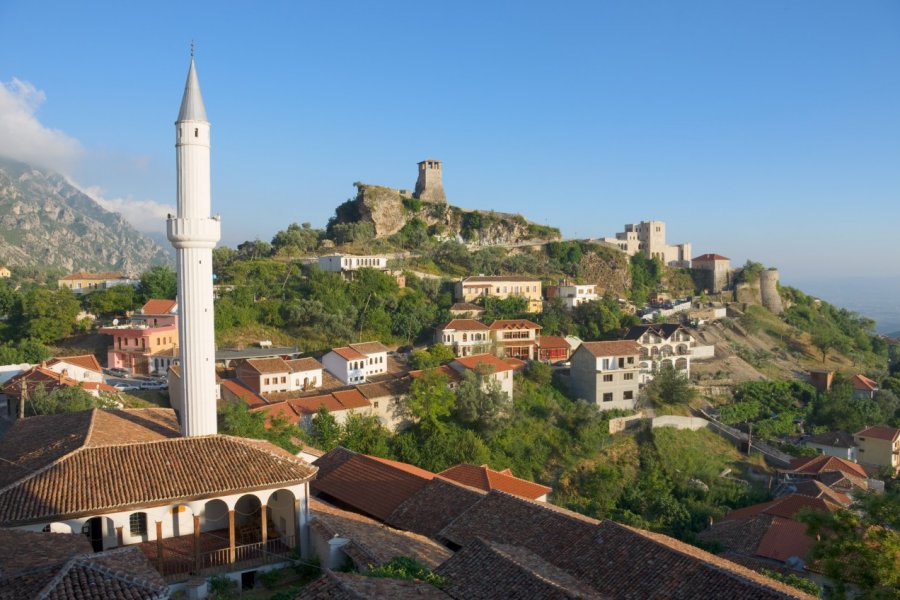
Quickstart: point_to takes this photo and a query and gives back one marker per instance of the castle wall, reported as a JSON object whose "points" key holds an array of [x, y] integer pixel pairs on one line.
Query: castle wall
{"points": [[768, 287]]}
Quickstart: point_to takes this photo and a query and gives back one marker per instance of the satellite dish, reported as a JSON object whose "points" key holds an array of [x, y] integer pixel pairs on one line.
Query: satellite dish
{"points": [[115, 322]]}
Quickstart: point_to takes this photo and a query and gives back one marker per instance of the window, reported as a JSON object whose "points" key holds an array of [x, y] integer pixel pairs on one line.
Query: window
{"points": [[284, 380], [196, 132], [375, 404], [628, 376], [137, 523], [607, 378], [621, 363], [607, 397], [628, 395]]}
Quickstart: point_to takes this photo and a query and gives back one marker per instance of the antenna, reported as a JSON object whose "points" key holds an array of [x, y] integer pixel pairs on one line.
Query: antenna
{"points": [[192, 49]]}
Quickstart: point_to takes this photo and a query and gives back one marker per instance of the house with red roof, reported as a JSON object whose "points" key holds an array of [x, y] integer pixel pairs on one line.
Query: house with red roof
{"points": [[150, 332], [516, 338], [553, 349], [834, 443], [356, 362], [769, 530], [465, 336], [863, 387], [713, 271], [273, 375], [84, 367], [486, 479], [879, 446], [607, 373], [837, 473], [487, 365], [18, 388]]}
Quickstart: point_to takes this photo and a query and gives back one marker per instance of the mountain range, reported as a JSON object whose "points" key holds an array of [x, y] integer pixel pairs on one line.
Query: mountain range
{"points": [[45, 221]]}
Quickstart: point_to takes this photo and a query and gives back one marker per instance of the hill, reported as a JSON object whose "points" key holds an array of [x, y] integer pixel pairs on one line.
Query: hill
{"points": [[47, 222], [383, 212]]}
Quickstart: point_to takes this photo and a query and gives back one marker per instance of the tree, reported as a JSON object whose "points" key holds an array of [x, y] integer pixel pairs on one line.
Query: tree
{"points": [[435, 356], [859, 546], [158, 282], [296, 239], [325, 430], [429, 400], [824, 340], [46, 316], [365, 434], [479, 399], [41, 401], [7, 297], [669, 386], [112, 301]]}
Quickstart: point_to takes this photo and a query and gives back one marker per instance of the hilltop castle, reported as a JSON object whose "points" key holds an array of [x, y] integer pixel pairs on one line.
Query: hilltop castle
{"points": [[428, 184]]}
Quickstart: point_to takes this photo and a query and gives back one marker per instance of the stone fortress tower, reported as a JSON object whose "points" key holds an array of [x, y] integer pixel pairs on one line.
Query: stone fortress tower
{"points": [[768, 291], [194, 233], [428, 184]]}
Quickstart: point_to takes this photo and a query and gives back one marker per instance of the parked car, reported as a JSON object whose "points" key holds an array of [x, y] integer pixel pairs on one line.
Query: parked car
{"points": [[125, 387], [154, 385], [119, 372]]}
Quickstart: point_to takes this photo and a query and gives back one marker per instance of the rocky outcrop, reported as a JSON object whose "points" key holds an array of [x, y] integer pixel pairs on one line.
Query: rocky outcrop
{"points": [[47, 222], [390, 210], [608, 269]]}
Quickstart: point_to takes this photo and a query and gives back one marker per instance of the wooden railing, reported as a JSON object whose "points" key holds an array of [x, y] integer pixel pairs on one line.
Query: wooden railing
{"points": [[177, 566]]}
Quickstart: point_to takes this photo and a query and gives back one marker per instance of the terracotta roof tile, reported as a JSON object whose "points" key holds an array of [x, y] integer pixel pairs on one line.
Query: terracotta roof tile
{"points": [[369, 347], [159, 307], [350, 586], [489, 570], [487, 479], [835, 439], [89, 275], [451, 374], [250, 398], [85, 361], [465, 324], [348, 353], [268, 365], [612, 348], [514, 324], [374, 543], [711, 257], [434, 506], [299, 365], [371, 485], [96, 470], [863, 383], [351, 399], [613, 559], [553, 341], [22, 550], [823, 463], [880, 432], [280, 410], [500, 279]]}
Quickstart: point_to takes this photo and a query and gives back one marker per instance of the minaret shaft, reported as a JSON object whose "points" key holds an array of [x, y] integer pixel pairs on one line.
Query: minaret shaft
{"points": [[194, 233]]}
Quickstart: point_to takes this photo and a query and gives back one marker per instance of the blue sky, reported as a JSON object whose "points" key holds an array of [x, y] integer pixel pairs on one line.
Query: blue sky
{"points": [[756, 129]]}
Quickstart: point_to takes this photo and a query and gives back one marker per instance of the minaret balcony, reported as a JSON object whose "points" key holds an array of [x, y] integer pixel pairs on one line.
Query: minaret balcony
{"points": [[193, 233]]}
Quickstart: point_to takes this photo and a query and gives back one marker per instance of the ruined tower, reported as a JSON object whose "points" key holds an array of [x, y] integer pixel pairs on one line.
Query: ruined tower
{"points": [[428, 184], [768, 290]]}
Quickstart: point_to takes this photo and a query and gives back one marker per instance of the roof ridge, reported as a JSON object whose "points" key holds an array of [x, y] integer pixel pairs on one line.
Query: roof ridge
{"points": [[90, 431]]}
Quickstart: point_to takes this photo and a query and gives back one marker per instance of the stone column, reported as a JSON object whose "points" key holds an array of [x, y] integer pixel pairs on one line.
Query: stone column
{"points": [[264, 524], [119, 536], [159, 545], [197, 565]]}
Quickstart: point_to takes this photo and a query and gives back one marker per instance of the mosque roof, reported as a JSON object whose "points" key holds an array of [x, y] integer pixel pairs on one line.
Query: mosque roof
{"points": [[192, 108]]}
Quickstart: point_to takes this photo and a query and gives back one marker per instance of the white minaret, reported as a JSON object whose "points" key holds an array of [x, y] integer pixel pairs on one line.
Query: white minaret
{"points": [[194, 233]]}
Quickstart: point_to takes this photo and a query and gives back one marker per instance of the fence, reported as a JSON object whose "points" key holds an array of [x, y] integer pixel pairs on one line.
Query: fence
{"points": [[177, 566]]}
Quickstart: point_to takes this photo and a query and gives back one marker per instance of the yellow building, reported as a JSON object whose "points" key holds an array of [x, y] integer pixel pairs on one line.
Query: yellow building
{"points": [[879, 446], [501, 286], [84, 282]]}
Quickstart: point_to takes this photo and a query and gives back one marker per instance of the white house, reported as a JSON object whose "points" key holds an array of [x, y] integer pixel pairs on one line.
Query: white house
{"points": [[80, 368], [356, 362], [345, 263], [662, 344], [834, 443], [465, 336], [196, 505], [573, 294]]}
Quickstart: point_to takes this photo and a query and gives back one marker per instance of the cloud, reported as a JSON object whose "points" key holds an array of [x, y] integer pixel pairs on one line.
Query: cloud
{"points": [[148, 216], [24, 138]]}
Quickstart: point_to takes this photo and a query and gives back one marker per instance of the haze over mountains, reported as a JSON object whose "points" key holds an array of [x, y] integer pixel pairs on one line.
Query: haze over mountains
{"points": [[47, 222]]}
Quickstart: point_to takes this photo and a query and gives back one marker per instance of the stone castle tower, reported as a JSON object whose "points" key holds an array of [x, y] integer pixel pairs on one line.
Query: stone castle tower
{"points": [[428, 184], [768, 290], [194, 233]]}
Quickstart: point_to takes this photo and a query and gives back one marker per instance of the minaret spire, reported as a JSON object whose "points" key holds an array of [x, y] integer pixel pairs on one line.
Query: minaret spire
{"points": [[194, 234]]}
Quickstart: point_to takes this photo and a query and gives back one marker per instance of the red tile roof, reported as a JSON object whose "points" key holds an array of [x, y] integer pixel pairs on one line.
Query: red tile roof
{"points": [[880, 432], [476, 360], [500, 279], [610, 557], [350, 586], [299, 365], [711, 257], [159, 307], [371, 485], [863, 383], [250, 398], [465, 324], [613, 348], [60, 467], [487, 479], [553, 341], [514, 324], [434, 506], [369, 347], [88, 275], [823, 463], [268, 365], [351, 399], [348, 353], [85, 361], [451, 374]]}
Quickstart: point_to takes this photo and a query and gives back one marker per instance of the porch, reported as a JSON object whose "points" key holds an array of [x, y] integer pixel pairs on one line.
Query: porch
{"points": [[211, 552]]}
